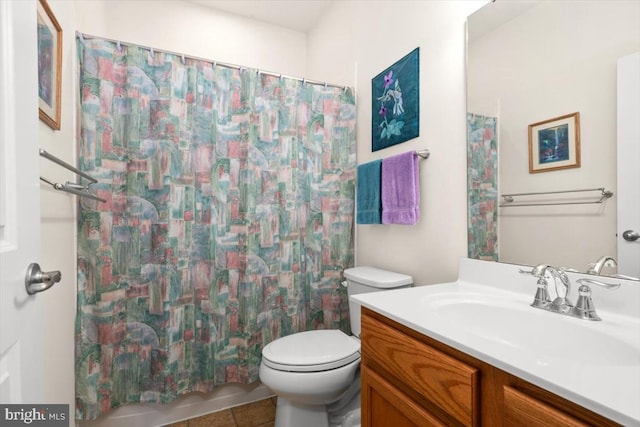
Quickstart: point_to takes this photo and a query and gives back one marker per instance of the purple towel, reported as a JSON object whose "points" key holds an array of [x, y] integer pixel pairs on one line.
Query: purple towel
{"points": [[401, 189]]}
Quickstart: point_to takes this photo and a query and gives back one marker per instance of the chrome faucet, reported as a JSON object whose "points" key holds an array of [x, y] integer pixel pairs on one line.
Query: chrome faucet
{"points": [[603, 261], [561, 304], [584, 308]]}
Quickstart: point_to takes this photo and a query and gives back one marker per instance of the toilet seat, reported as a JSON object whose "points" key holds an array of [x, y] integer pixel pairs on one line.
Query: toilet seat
{"points": [[311, 351]]}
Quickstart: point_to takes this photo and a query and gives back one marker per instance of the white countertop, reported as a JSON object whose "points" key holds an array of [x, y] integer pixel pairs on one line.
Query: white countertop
{"points": [[606, 383]]}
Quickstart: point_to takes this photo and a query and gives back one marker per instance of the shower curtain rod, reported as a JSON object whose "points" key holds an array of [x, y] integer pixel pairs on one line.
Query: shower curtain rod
{"points": [[83, 36]]}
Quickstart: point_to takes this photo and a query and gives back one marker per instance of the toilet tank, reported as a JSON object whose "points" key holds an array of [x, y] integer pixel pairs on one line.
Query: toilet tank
{"points": [[362, 280]]}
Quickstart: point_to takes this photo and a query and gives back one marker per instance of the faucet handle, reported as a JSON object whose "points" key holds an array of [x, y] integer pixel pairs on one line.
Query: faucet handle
{"points": [[585, 282], [537, 271], [584, 308], [542, 298]]}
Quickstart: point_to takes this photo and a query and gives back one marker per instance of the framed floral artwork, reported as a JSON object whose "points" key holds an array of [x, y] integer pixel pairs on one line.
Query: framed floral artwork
{"points": [[49, 65], [554, 144], [395, 95]]}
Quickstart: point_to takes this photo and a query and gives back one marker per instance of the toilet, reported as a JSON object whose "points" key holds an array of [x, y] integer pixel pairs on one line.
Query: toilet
{"points": [[316, 374]]}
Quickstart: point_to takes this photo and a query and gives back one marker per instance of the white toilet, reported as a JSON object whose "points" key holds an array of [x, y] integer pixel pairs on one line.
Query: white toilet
{"points": [[316, 374]]}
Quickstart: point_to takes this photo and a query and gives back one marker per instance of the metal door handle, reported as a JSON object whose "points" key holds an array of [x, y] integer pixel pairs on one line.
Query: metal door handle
{"points": [[37, 280], [631, 236]]}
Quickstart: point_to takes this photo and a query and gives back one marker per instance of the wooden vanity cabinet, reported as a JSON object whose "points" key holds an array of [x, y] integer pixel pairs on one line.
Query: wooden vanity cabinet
{"points": [[409, 379]]}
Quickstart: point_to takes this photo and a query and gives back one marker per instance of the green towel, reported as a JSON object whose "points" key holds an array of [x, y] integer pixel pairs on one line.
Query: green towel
{"points": [[369, 210]]}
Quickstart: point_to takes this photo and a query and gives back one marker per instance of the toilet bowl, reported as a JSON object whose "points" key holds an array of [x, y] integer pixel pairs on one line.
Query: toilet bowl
{"points": [[316, 374]]}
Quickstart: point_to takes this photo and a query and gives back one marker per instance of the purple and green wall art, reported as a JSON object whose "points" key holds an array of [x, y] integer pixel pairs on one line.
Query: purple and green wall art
{"points": [[228, 221], [395, 97], [482, 187]]}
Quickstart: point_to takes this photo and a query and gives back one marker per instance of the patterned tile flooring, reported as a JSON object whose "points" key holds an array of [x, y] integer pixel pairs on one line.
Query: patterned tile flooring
{"points": [[257, 414]]}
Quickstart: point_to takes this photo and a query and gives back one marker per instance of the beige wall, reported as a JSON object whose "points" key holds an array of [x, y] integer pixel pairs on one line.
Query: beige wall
{"points": [[58, 229], [555, 59], [193, 29], [360, 39]]}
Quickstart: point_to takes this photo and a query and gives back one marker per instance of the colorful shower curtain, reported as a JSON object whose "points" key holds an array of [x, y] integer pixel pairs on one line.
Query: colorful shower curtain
{"points": [[482, 186], [227, 224]]}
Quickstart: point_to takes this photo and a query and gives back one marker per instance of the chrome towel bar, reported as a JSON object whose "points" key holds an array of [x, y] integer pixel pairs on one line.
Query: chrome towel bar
{"points": [[66, 165], [424, 154], [70, 187], [508, 199]]}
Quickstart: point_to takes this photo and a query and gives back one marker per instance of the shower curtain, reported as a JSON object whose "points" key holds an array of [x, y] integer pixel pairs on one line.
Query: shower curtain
{"points": [[227, 224], [482, 186]]}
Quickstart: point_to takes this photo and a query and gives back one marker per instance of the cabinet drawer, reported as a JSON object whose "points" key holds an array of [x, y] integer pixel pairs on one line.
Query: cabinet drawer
{"points": [[523, 410], [446, 382]]}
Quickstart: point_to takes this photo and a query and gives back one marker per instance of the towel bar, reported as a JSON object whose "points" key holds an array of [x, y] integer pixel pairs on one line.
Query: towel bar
{"points": [[509, 198], [69, 187], [424, 154]]}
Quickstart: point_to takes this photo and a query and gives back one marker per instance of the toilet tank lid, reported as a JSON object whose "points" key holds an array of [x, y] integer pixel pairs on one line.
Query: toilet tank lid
{"points": [[377, 277]]}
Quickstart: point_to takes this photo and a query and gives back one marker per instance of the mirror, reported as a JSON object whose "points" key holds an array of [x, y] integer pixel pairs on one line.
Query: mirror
{"points": [[536, 61]]}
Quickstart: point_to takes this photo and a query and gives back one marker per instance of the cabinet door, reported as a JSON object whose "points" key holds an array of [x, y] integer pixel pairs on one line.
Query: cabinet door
{"points": [[444, 381], [523, 410], [385, 406]]}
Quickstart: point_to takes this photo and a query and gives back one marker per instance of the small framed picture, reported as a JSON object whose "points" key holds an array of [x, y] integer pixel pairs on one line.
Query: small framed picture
{"points": [[554, 144], [49, 65]]}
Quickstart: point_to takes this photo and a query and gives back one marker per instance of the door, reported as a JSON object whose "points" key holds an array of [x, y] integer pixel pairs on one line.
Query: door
{"points": [[629, 165], [21, 375]]}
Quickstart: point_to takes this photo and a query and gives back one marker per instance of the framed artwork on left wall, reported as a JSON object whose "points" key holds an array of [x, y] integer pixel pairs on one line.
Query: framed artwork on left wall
{"points": [[49, 65]]}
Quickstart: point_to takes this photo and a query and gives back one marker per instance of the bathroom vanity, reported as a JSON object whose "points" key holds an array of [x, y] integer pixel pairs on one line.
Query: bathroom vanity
{"points": [[410, 379], [469, 354]]}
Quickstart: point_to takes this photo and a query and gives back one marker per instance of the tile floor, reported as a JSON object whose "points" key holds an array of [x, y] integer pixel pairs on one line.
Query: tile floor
{"points": [[257, 414]]}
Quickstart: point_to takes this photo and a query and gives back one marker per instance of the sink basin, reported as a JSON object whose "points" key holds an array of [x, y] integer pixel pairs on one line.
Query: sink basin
{"points": [[517, 327]]}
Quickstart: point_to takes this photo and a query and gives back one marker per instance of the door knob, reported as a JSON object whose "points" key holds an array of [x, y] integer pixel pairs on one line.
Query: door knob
{"points": [[37, 280], [631, 236]]}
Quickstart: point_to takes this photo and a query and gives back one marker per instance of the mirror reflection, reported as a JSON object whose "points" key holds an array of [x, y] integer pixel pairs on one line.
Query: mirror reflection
{"points": [[529, 64]]}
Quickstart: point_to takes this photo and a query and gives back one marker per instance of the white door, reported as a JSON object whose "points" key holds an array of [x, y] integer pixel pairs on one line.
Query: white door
{"points": [[21, 376], [629, 165]]}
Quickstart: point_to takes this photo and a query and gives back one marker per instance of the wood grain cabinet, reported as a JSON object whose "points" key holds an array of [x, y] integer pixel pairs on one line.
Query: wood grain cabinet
{"points": [[409, 379]]}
